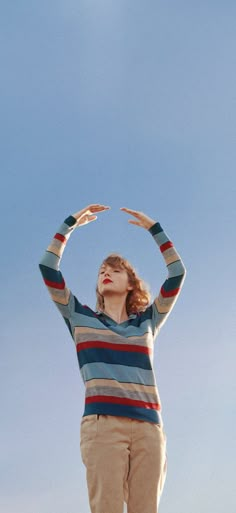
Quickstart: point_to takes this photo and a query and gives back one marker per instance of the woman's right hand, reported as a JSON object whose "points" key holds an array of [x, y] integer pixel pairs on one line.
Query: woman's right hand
{"points": [[88, 214]]}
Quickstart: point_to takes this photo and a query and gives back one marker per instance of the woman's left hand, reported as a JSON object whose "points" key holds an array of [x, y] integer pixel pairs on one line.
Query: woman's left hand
{"points": [[141, 219]]}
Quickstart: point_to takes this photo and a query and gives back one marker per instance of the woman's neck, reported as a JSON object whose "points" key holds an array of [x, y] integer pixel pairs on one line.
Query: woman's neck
{"points": [[116, 309]]}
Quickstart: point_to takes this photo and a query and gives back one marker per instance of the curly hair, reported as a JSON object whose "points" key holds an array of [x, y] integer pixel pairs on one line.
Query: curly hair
{"points": [[139, 297]]}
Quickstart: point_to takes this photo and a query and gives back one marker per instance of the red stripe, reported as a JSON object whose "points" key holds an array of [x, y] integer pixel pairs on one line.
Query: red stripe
{"points": [[169, 293], [117, 347], [121, 400], [60, 237], [166, 245], [55, 285]]}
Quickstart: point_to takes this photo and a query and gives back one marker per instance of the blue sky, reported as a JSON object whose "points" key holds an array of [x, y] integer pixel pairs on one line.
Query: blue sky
{"points": [[133, 104]]}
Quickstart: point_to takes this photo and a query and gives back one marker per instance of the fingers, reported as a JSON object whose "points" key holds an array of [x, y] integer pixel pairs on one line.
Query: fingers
{"points": [[137, 215], [142, 219], [85, 219], [130, 211], [94, 208], [130, 221], [92, 218], [97, 208], [87, 215], [91, 209]]}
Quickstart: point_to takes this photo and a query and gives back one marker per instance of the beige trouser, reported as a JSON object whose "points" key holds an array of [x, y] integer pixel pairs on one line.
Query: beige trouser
{"points": [[125, 461]]}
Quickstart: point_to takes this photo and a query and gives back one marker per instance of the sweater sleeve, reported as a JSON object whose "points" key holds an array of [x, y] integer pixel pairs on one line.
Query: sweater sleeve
{"points": [[50, 268], [171, 287]]}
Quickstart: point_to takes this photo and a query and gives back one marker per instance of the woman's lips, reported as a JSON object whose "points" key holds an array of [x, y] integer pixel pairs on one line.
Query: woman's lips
{"points": [[107, 281]]}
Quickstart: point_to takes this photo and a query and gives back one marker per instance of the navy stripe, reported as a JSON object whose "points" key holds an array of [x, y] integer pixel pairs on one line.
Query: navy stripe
{"points": [[83, 309], [145, 316], [172, 283], [121, 410], [70, 221], [155, 229], [51, 274], [97, 354]]}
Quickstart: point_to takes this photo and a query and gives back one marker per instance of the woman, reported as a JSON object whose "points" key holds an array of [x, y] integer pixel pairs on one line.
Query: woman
{"points": [[123, 444]]}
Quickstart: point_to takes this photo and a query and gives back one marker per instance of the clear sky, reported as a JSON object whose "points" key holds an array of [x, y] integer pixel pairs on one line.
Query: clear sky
{"points": [[133, 104]]}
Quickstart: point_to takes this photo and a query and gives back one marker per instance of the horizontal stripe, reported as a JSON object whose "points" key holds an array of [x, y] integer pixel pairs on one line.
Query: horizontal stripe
{"points": [[155, 229], [54, 284], [112, 357], [51, 275], [50, 260], [84, 309], [70, 221], [87, 330], [176, 268], [60, 237], [88, 319], [172, 283], [169, 293], [163, 305], [120, 392], [116, 347], [84, 334], [160, 238], [166, 245], [66, 228], [56, 247], [119, 373], [60, 297], [117, 400], [158, 317], [123, 410], [63, 307], [130, 387], [170, 256]]}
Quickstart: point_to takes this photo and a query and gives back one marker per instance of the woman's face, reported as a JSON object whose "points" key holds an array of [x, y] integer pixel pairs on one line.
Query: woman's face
{"points": [[113, 280]]}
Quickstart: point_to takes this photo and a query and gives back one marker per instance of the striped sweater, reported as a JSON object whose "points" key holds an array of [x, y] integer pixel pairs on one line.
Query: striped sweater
{"points": [[115, 360]]}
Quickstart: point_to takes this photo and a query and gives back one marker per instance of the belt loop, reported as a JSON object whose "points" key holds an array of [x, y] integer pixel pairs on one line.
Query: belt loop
{"points": [[98, 416]]}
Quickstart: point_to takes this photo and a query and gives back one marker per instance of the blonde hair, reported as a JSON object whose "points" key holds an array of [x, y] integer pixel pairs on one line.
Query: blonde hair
{"points": [[139, 297]]}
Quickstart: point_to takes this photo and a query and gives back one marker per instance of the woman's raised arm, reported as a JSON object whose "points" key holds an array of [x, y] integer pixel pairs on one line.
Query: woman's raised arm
{"points": [[50, 262], [170, 289]]}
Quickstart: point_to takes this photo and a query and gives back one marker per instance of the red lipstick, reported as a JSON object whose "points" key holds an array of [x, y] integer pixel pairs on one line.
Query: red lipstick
{"points": [[107, 281]]}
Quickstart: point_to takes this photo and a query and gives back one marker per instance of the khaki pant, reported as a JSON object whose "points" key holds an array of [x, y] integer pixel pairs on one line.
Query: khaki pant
{"points": [[125, 461]]}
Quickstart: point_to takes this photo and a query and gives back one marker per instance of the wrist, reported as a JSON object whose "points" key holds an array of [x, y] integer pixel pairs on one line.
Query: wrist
{"points": [[155, 228]]}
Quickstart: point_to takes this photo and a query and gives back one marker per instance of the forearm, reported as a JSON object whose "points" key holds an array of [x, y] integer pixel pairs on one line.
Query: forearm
{"points": [[54, 251], [170, 289], [50, 262]]}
